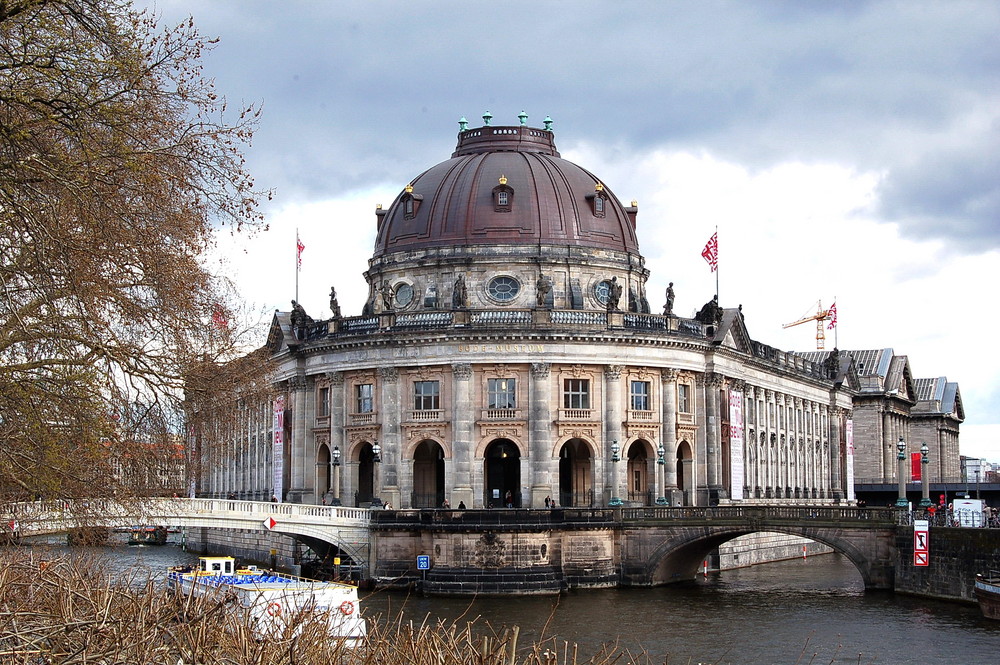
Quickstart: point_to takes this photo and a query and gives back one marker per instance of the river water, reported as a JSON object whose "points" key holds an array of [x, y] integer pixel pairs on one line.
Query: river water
{"points": [[788, 613]]}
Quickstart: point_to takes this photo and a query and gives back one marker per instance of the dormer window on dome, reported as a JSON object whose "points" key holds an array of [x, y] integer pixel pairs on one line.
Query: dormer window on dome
{"points": [[598, 200], [411, 202], [503, 196]]}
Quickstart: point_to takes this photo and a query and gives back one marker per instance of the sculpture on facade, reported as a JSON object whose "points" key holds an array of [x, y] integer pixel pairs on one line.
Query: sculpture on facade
{"points": [[459, 295], [544, 288], [710, 313], [614, 294], [668, 307], [300, 320], [334, 305], [387, 293]]}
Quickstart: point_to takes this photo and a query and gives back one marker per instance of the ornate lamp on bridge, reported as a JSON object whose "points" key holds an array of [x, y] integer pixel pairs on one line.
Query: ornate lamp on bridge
{"points": [[925, 482], [335, 501], [661, 481], [901, 502], [615, 458]]}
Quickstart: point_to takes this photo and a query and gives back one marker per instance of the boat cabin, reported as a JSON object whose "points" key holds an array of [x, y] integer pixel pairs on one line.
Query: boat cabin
{"points": [[216, 565]]}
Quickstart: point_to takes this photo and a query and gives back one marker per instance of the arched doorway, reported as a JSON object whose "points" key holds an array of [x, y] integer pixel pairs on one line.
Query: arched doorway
{"points": [[366, 476], [575, 463], [428, 475], [503, 474], [685, 472], [638, 474], [322, 472]]}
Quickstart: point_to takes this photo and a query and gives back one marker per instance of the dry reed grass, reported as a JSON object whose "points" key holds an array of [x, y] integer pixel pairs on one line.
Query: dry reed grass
{"points": [[67, 612]]}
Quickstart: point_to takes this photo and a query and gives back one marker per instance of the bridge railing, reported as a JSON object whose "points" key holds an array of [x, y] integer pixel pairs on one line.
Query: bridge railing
{"points": [[756, 513]]}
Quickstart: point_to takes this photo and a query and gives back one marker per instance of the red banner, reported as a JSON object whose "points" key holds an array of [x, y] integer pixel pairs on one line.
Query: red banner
{"points": [[914, 466]]}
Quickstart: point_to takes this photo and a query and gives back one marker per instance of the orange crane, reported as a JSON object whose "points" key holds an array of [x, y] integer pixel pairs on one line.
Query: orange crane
{"points": [[820, 317]]}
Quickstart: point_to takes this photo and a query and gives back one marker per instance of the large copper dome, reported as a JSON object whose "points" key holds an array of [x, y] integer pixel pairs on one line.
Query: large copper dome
{"points": [[549, 200]]}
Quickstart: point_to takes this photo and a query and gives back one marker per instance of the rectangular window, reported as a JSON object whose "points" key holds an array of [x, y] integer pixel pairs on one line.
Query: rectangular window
{"points": [[683, 398], [323, 402], [501, 393], [640, 396], [501, 198], [576, 393], [366, 401], [426, 396]]}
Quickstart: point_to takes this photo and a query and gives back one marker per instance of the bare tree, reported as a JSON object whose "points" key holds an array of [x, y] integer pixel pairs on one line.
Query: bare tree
{"points": [[118, 161]]}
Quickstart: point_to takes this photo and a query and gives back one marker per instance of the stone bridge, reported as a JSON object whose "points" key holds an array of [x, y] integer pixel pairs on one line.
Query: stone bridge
{"points": [[317, 526], [547, 551], [502, 550], [661, 545]]}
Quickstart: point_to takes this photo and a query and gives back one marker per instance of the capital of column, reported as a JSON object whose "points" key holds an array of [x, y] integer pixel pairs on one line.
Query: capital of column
{"points": [[335, 378], [540, 370], [613, 372], [388, 374], [298, 383], [669, 375], [462, 371]]}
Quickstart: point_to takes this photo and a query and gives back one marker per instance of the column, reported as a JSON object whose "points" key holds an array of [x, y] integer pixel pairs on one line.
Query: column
{"points": [[669, 434], [834, 419], [712, 385], [338, 417], [463, 436], [390, 437], [303, 413], [614, 416], [545, 470]]}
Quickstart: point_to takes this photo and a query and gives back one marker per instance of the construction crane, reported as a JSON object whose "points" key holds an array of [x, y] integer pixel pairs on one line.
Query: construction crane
{"points": [[820, 317]]}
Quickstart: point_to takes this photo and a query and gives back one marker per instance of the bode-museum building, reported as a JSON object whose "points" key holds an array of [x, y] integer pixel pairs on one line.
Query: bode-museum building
{"points": [[509, 355]]}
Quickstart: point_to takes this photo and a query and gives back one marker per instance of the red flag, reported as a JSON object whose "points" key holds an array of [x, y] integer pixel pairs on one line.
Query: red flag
{"points": [[833, 316], [298, 251], [711, 251]]}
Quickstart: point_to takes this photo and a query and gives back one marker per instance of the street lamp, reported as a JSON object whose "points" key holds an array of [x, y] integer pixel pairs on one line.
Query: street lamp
{"points": [[901, 502], [925, 482], [661, 480], [615, 458], [335, 500], [376, 474]]}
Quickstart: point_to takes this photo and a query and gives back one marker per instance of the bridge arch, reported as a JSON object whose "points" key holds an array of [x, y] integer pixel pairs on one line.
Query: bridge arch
{"points": [[677, 552]]}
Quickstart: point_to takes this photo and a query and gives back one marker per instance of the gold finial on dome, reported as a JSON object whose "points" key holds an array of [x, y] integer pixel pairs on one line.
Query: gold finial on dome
{"points": [[503, 180], [409, 188], [635, 204], [378, 206], [598, 187]]}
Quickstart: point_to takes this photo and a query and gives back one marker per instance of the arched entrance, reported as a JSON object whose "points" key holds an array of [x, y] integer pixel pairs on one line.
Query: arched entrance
{"points": [[366, 476], [685, 472], [638, 473], [428, 475], [503, 474], [575, 464], [322, 472]]}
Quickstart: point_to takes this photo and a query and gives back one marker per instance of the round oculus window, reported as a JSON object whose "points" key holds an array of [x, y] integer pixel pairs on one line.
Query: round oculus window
{"points": [[503, 289], [404, 295], [602, 291]]}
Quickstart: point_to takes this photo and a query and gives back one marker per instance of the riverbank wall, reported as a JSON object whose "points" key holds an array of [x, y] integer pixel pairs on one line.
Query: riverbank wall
{"points": [[955, 556], [266, 548]]}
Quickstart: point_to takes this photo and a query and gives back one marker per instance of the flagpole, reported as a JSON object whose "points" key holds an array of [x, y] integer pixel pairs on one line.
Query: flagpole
{"points": [[717, 265], [296, 264], [836, 328]]}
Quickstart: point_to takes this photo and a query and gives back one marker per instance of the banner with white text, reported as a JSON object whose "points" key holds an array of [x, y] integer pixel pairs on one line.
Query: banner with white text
{"points": [[849, 462], [736, 445]]}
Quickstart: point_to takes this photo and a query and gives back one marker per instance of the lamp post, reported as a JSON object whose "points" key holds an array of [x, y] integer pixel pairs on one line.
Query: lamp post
{"points": [[925, 482], [901, 502], [376, 474], [615, 458], [977, 481], [335, 501], [661, 481]]}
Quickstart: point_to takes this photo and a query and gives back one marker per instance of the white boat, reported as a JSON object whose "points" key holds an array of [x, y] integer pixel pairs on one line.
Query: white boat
{"points": [[273, 601]]}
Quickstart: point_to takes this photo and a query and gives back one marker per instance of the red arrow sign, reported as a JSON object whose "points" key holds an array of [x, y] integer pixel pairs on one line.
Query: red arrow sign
{"points": [[270, 523]]}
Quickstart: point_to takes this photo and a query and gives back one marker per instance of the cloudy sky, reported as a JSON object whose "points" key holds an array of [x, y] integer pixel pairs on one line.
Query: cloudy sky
{"points": [[844, 150]]}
